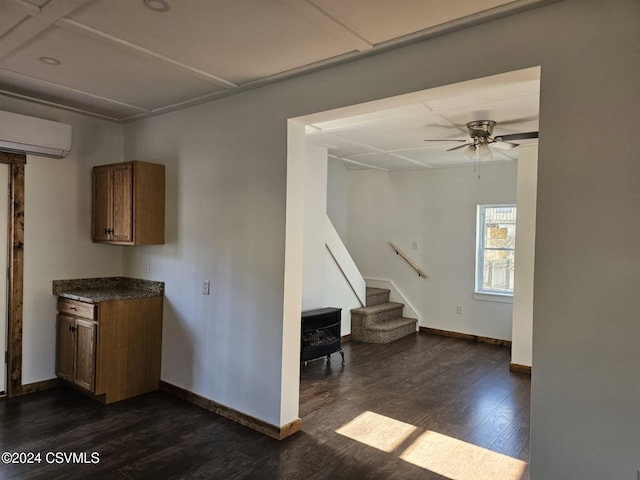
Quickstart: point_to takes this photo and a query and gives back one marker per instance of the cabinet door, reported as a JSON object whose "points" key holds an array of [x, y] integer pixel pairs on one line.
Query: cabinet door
{"points": [[66, 347], [101, 204], [85, 361], [122, 197]]}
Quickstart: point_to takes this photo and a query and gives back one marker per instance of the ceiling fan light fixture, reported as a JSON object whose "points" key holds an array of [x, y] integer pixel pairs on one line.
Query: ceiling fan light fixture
{"points": [[481, 128], [484, 152], [470, 153]]}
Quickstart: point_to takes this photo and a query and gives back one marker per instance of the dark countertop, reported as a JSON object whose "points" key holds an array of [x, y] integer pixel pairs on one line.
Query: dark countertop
{"points": [[96, 290]]}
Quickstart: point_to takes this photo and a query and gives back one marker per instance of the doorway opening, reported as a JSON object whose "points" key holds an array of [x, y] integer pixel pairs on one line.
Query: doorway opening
{"points": [[15, 265], [458, 104], [4, 261]]}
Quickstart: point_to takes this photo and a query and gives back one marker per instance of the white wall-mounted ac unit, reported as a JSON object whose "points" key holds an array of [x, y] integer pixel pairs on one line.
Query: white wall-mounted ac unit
{"points": [[30, 135]]}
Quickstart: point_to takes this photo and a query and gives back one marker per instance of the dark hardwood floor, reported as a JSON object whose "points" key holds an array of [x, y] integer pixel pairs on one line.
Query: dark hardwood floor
{"points": [[424, 407]]}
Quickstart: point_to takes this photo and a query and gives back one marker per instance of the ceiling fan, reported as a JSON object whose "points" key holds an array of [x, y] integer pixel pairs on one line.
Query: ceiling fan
{"points": [[477, 146]]}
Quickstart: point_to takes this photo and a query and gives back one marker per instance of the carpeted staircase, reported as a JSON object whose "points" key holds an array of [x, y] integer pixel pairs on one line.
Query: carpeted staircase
{"points": [[381, 321]]}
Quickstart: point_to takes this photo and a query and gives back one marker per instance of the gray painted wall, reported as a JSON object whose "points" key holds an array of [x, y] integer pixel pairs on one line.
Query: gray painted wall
{"points": [[227, 167]]}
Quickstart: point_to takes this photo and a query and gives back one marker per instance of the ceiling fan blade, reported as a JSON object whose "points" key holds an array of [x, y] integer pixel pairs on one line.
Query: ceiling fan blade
{"points": [[518, 120], [458, 147], [515, 136], [503, 145]]}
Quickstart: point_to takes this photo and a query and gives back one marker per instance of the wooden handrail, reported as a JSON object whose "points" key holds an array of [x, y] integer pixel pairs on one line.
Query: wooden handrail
{"points": [[408, 260]]}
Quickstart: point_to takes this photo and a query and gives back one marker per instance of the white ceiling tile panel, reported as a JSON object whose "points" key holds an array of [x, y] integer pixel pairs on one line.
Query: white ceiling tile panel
{"points": [[386, 161], [511, 99], [11, 14], [441, 158], [381, 20], [338, 145], [114, 73], [23, 86], [508, 112], [238, 40]]}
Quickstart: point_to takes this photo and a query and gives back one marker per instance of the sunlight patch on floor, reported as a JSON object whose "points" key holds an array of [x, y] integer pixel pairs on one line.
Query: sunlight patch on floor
{"points": [[458, 460], [377, 431], [433, 451]]}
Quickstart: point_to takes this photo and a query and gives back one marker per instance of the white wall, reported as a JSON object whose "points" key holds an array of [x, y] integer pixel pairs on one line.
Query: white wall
{"points": [[437, 209], [315, 208], [337, 196], [323, 282], [522, 332], [226, 221], [58, 227]]}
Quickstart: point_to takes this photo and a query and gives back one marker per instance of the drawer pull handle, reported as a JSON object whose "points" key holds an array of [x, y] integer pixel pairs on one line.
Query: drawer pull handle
{"points": [[73, 308]]}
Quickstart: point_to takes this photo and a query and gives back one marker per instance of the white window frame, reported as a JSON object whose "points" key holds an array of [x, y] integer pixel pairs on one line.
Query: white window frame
{"points": [[480, 292]]}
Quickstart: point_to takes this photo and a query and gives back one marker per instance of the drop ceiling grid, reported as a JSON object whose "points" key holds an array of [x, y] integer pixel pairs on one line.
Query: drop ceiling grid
{"points": [[238, 41], [11, 14], [201, 49], [379, 138], [25, 87], [387, 161], [137, 81], [383, 20]]}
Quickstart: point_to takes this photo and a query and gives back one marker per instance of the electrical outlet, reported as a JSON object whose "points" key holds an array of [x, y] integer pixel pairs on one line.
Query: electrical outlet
{"points": [[415, 245], [147, 267], [459, 309], [206, 287]]}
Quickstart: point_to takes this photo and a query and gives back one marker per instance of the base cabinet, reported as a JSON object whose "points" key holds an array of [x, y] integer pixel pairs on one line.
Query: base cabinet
{"points": [[76, 357], [112, 349]]}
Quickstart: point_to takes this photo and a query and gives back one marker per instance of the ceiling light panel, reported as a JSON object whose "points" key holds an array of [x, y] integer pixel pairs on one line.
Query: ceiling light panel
{"points": [[98, 68], [382, 20], [237, 40]]}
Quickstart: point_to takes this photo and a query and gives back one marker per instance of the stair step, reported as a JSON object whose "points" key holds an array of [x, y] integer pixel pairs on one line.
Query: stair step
{"points": [[393, 324], [383, 331], [378, 313], [376, 296], [373, 309]]}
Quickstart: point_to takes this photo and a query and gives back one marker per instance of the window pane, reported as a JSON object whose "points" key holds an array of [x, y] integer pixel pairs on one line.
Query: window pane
{"points": [[498, 270], [500, 227], [495, 260]]}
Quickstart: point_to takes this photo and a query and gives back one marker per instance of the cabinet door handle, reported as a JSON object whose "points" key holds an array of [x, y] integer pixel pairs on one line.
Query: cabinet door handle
{"points": [[72, 329]]}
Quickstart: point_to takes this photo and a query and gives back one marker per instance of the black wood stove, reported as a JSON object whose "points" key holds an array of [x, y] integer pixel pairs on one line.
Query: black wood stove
{"points": [[320, 334]]}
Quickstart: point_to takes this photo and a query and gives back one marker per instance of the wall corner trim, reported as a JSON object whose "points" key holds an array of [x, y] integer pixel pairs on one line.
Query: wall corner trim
{"points": [[40, 386], [516, 367], [279, 433]]}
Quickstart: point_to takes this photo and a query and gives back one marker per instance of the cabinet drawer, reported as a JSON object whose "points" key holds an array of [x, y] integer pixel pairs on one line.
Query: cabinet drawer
{"points": [[77, 309]]}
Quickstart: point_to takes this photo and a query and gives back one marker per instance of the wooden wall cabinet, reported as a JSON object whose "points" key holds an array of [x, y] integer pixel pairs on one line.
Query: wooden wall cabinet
{"points": [[128, 203], [111, 350]]}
